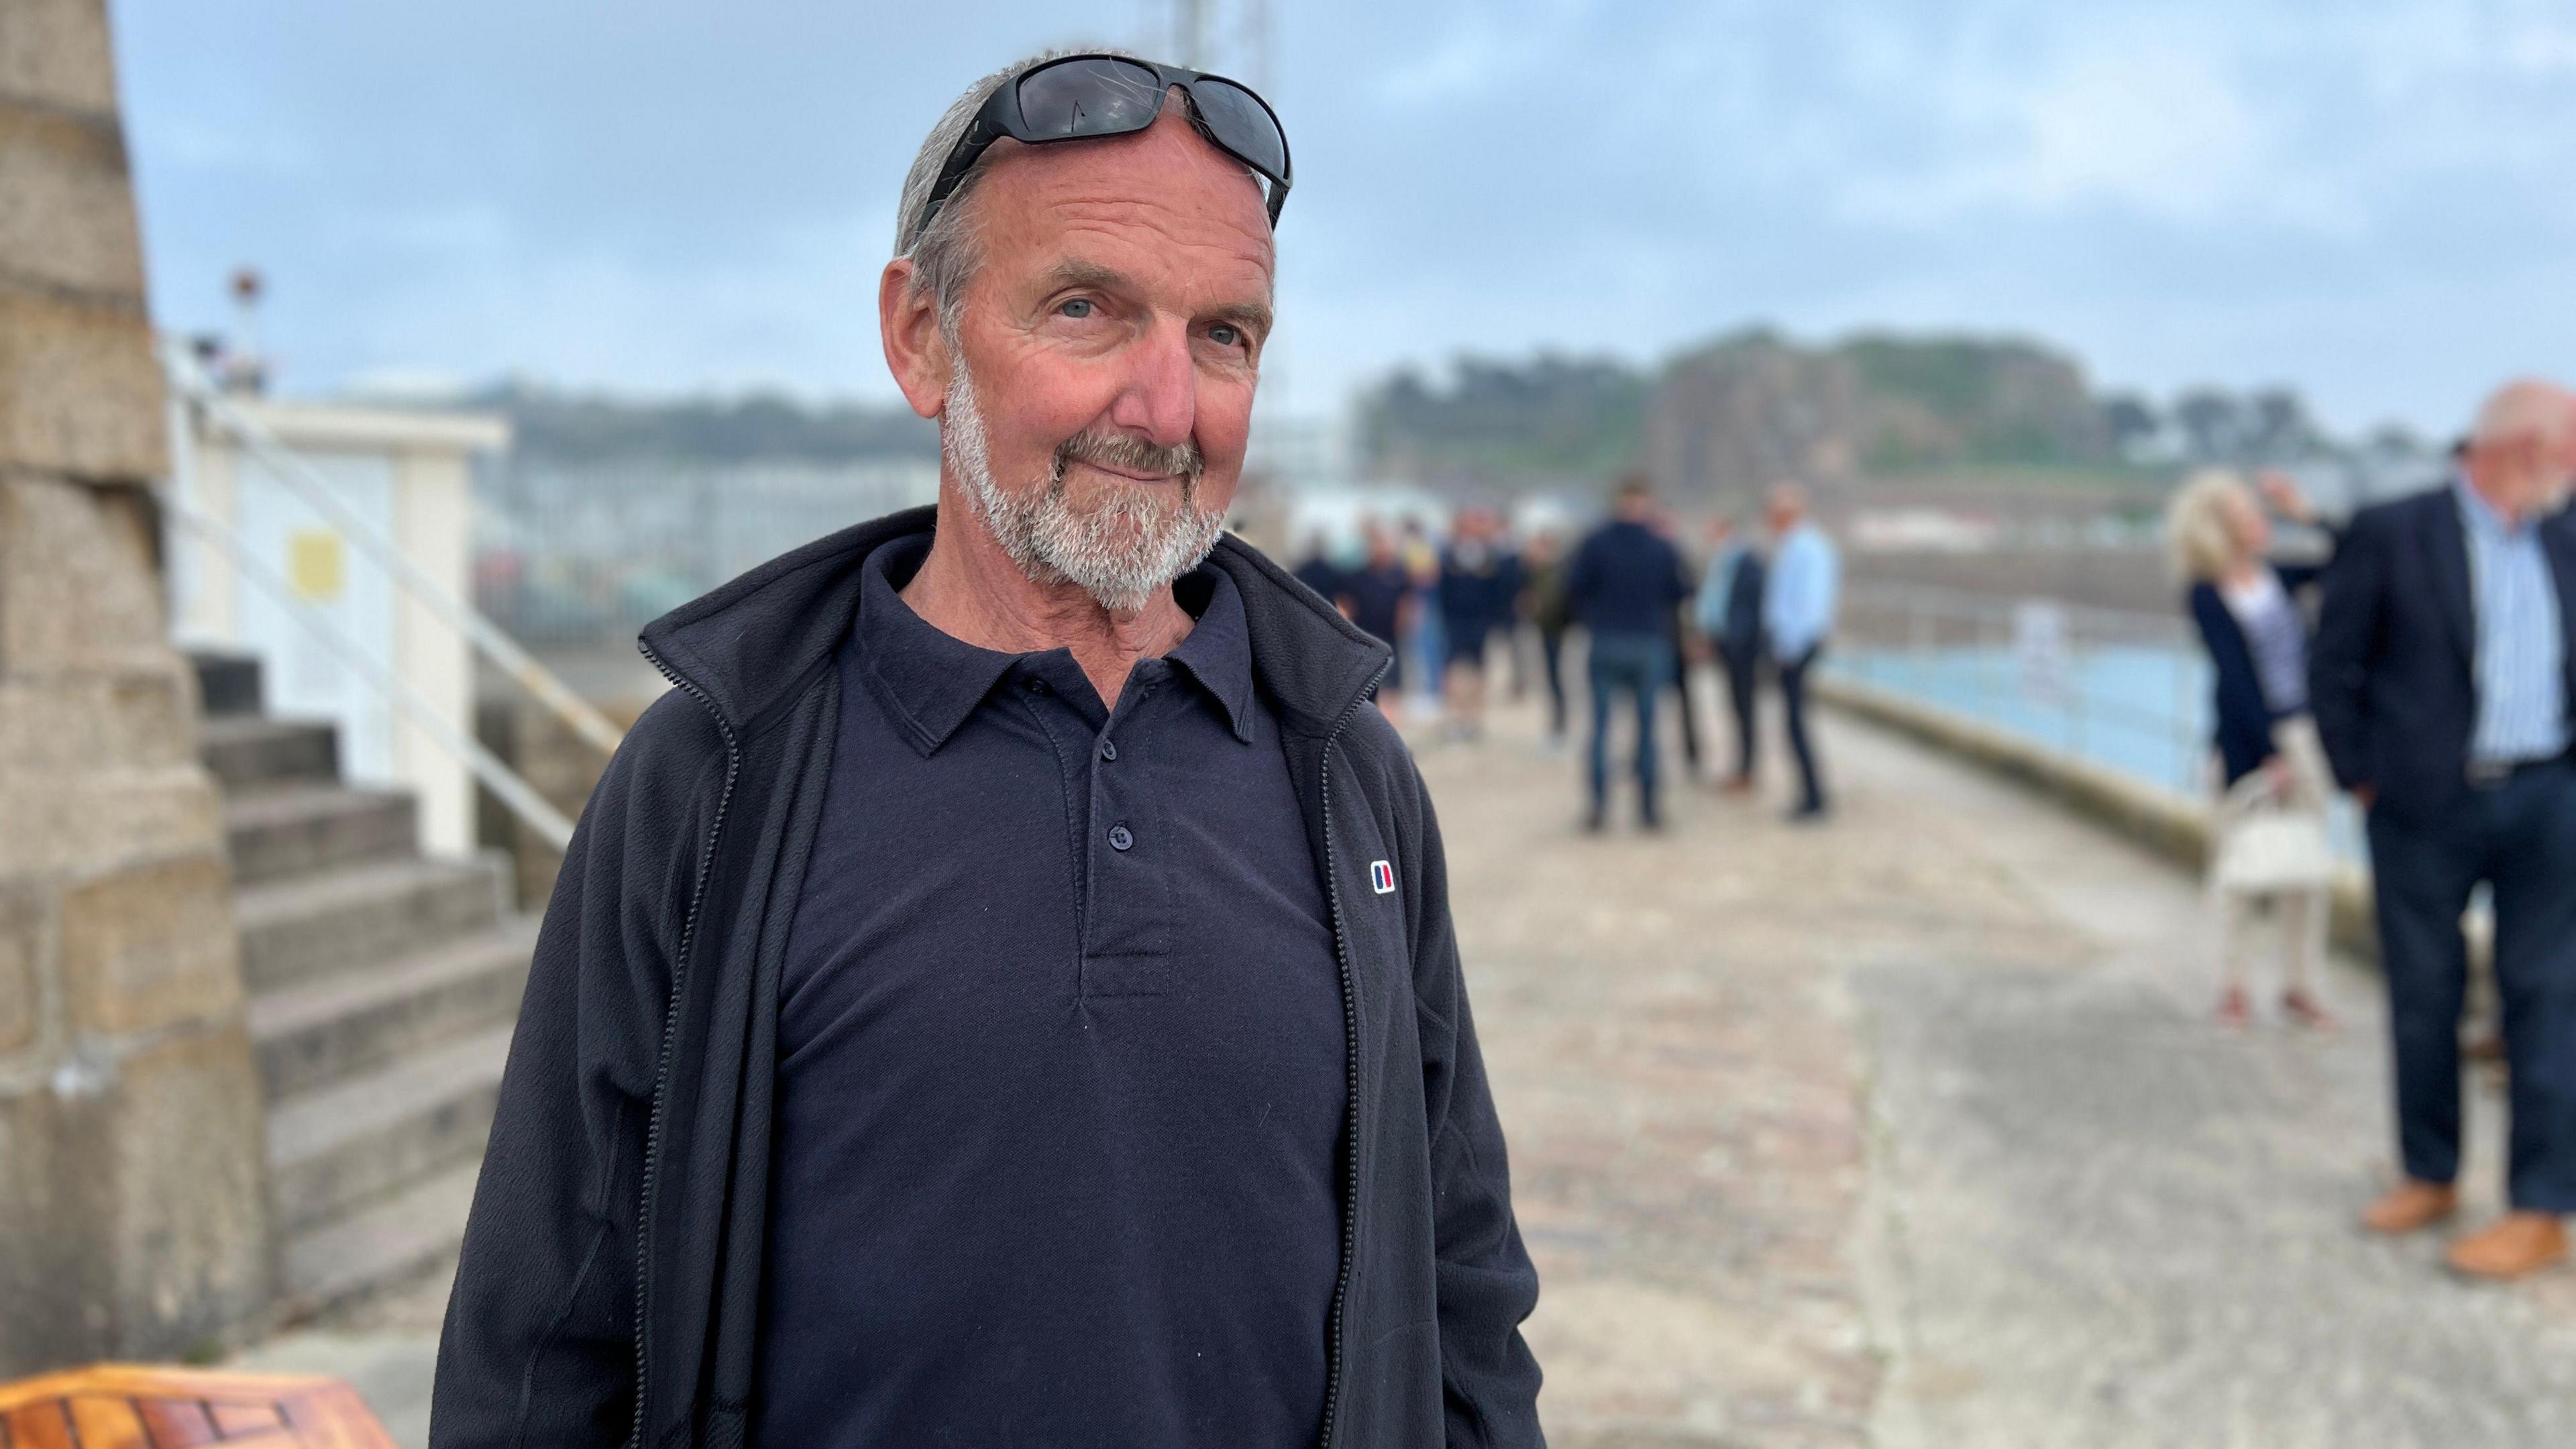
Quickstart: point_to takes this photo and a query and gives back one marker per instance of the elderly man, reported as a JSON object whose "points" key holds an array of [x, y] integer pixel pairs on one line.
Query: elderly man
{"points": [[1005, 994], [2443, 685]]}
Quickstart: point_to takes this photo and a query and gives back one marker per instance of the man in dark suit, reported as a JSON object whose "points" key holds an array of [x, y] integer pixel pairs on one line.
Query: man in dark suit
{"points": [[2444, 687]]}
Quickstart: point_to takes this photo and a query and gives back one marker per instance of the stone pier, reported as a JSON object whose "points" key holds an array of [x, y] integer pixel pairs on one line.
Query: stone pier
{"points": [[132, 1221]]}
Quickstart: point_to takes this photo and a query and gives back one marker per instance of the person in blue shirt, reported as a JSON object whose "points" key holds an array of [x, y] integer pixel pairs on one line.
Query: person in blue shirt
{"points": [[1798, 602], [1621, 587]]}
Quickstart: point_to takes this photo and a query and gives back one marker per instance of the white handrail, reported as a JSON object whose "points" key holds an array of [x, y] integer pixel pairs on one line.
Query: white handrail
{"points": [[521, 797], [306, 483]]}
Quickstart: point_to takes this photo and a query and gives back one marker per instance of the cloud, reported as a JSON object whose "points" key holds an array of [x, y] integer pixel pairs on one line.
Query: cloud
{"points": [[2246, 190]]}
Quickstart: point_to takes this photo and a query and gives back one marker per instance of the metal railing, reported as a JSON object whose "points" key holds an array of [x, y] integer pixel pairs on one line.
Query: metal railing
{"points": [[2124, 689], [189, 388]]}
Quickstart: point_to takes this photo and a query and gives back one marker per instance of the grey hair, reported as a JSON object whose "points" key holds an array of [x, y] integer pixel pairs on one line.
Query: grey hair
{"points": [[943, 249]]}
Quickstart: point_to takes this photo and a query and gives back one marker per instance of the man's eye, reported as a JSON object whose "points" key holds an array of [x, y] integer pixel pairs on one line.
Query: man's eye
{"points": [[1075, 307], [1224, 335]]}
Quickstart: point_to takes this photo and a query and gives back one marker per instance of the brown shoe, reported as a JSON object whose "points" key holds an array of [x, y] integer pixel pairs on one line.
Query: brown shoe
{"points": [[2516, 1246], [2410, 1206]]}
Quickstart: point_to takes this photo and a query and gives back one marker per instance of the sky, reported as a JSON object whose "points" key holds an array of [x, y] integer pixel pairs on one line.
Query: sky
{"points": [[2373, 201]]}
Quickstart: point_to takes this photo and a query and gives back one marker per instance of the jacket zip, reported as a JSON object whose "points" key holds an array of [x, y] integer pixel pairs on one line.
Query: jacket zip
{"points": [[671, 1019], [1350, 1065]]}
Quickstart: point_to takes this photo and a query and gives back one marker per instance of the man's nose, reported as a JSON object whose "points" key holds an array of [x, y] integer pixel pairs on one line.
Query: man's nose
{"points": [[1160, 401]]}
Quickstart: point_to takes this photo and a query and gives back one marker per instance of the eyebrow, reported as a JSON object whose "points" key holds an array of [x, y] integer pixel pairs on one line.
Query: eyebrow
{"points": [[1253, 317]]}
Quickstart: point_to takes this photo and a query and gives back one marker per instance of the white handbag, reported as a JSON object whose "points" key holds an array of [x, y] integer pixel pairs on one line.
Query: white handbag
{"points": [[2264, 846]]}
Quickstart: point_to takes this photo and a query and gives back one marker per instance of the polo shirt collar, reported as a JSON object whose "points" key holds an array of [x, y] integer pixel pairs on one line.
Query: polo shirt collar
{"points": [[934, 680], [931, 679], [1218, 652]]}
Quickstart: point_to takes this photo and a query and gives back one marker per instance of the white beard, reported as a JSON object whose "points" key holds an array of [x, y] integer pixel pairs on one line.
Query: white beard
{"points": [[1122, 552]]}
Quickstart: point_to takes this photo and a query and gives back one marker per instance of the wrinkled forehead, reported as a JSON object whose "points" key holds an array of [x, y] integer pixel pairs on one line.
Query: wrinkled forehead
{"points": [[1164, 192]]}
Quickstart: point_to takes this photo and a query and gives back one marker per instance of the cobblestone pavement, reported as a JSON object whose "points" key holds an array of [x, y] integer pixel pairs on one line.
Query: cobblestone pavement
{"points": [[1912, 1130], [1909, 1130]]}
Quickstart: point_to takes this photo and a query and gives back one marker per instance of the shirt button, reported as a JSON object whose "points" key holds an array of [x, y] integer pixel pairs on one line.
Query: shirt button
{"points": [[1108, 750], [1037, 686], [1120, 837]]}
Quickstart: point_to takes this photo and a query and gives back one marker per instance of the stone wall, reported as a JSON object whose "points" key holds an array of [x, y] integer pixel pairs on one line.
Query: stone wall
{"points": [[132, 1197]]}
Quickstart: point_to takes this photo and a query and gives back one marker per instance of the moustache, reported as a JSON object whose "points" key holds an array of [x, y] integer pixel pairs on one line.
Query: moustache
{"points": [[1129, 454]]}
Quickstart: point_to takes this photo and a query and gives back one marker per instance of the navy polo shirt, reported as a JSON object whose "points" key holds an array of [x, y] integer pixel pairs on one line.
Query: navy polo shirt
{"points": [[1061, 1068]]}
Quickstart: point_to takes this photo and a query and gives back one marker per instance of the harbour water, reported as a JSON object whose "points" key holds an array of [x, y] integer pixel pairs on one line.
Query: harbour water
{"points": [[2140, 709]]}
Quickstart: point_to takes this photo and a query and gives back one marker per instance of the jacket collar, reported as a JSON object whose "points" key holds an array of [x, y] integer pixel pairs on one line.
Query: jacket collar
{"points": [[754, 644]]}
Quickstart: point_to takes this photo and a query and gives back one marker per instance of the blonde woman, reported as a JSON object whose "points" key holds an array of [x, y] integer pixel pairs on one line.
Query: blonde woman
{"points": [[2270, 761]]}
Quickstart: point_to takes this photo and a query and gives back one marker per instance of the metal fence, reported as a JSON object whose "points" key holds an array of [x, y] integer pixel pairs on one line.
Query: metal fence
{"points": [[2119, 688], [2124, 689], [578, 554]]}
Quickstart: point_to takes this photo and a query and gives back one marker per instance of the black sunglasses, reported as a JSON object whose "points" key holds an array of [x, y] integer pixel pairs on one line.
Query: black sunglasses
{"points": [[1086, 97]]}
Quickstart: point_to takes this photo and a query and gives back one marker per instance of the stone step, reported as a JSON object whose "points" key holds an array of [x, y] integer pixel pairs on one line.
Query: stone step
{"points": [[338, 1026], [244, 750], [356, 916], [393, 1243], [226, 683], [298, 828], [344, 1146]]}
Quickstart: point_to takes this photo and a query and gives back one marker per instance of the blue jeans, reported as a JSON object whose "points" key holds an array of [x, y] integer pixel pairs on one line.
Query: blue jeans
{"points": [[1637, 665], [2520, 837]]}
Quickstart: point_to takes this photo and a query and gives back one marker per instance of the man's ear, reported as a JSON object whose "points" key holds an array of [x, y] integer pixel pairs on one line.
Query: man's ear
{"points": [[916, 351]]}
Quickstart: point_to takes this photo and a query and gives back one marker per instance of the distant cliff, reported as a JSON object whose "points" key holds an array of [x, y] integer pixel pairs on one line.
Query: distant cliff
{"points": [[1754, 408], [1748, 409]]}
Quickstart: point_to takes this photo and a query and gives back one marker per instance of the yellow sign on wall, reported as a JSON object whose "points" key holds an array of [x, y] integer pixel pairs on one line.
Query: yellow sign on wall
{"points": [[315, 564]]}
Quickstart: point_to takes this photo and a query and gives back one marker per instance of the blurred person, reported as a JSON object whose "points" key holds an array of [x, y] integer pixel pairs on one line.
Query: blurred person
{"points": [[1425, 638], [1544, 604], [1682, 636], [1730, 617], [1378, 597], [947, 1026], [1621, 586], [1800, 592], [1514, 625], [1317, 570], [2271, 766], [2443, 684], [1479, 580]]}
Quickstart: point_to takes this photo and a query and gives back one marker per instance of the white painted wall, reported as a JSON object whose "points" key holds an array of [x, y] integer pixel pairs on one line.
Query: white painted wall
{"points": [[407, 474]]}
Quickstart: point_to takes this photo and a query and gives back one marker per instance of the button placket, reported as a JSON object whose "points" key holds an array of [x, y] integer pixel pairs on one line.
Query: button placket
{"points": [[1130, 897]]}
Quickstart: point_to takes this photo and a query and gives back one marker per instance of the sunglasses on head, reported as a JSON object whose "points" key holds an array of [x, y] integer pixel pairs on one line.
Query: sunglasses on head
{"points": [[1087, 97]]}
